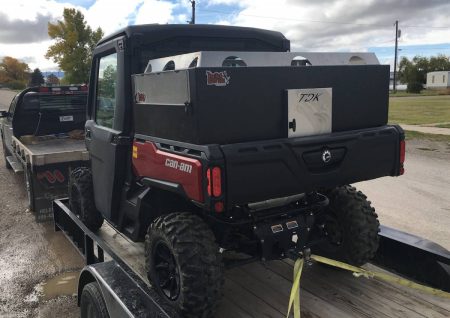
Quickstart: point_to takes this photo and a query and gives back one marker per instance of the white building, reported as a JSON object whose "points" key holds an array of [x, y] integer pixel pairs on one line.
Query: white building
{"points": [[438, 80]]}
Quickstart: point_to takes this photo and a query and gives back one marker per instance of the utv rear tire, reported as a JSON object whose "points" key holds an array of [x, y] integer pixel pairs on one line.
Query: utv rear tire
{"points": [[81, 198], [184, 264], [352, 227], [92, 303]]}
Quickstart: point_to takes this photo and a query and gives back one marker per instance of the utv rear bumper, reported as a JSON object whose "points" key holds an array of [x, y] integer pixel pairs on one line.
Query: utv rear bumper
{"points": [[257, 171]]}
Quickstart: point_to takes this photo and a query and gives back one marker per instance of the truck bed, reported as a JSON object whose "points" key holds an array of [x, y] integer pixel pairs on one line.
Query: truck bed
{"points": [[262, 290], [42, 152]]}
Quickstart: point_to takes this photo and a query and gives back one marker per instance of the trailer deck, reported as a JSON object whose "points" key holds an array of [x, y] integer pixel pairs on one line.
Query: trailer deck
{"points": [[263, 289]]}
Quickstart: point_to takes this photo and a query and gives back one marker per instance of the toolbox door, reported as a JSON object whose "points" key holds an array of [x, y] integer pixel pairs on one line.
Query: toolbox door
{"points": [[309, 111]]}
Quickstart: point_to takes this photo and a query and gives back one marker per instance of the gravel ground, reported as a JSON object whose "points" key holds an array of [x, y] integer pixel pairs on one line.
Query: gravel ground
{"points": [[30, 253]]}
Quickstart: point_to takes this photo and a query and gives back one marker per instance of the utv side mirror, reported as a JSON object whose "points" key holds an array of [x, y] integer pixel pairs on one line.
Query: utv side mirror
{"points": [[3, 113]]}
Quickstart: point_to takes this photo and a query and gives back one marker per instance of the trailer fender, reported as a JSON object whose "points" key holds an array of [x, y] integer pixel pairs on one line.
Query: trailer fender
{"points": [[108, 286]]}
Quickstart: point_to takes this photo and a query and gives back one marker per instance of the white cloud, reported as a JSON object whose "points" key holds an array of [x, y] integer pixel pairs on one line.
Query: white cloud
{"points": [[153, 11], [111, 15], [23, 22]]}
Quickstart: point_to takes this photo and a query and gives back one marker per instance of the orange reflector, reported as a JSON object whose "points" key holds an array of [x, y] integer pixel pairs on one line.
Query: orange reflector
{"points": [[219, 207], [216, 182], [135, 152]]}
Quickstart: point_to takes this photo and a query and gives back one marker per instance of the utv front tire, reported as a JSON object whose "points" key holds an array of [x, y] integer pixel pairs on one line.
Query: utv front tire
{"points": [[184, 264], [81, 198], [351, 226]]}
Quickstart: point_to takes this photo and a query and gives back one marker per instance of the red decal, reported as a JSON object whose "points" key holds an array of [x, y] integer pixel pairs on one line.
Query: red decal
{"points": [[140, 97], [51, 177], [157, 164], [217, 78], [59, 176]]}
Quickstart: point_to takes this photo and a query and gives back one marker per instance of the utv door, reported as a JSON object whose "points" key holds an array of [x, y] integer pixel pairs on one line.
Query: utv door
{"points": [[104, 130]]}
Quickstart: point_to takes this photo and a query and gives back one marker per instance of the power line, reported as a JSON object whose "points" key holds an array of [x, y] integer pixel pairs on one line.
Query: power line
{"points": [[297, 20], [321, 21]]}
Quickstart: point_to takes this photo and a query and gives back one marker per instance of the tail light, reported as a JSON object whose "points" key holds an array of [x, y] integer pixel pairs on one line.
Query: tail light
{"points": [[402, 156], [214, 177]]}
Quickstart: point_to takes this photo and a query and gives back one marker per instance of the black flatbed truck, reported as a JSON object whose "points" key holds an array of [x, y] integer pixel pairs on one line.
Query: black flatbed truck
{"points": [[43, 137], [114, 263]]}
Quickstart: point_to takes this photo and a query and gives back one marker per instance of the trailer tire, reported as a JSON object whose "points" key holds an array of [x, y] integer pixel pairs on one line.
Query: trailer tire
{"points": [[92, 303], [81, 198], [182, 247], [351, 225]]}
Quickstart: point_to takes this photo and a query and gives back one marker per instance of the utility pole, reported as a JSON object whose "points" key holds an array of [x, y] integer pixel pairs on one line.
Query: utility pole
{"points": [[394, 84], [193, 12]]}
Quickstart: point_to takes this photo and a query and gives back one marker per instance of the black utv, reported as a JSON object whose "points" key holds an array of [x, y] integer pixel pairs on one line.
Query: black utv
{"points": [[213, 165]]}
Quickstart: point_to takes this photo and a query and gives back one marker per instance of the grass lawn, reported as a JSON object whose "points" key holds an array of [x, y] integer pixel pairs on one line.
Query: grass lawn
{"points": [[423, 93], [420, 110], [418, 135]]}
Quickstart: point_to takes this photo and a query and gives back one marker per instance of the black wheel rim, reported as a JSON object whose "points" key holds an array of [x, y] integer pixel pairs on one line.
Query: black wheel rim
{"points": [[167, 275], [333, 230]]}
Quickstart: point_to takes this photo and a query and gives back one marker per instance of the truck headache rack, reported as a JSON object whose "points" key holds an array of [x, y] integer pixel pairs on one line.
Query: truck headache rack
{"points": [[125, 293]]}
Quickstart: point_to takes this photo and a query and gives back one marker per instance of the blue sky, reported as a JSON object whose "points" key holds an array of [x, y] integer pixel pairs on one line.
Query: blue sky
{"points": [[321, 25]]}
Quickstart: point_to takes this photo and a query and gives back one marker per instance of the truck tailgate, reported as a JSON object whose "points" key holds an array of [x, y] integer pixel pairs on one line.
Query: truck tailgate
{"points": [[281, 167]]}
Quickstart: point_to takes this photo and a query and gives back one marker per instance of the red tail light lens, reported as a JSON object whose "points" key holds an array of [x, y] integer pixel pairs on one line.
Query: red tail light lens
{"points": [[402, 156], [402, 151], [44, 89], [214, 177], [217, 182], [219, 207]]}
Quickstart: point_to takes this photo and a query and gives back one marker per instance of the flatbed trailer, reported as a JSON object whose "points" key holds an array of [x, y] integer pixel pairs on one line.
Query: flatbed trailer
{"points": [[263, 289]]}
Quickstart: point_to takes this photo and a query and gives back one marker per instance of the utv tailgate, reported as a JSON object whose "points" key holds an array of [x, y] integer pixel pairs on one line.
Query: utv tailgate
{"points": [[281, 167]]}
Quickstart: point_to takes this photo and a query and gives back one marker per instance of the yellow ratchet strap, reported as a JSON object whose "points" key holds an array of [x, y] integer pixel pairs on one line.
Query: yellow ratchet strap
{"points": [[357, 272]]}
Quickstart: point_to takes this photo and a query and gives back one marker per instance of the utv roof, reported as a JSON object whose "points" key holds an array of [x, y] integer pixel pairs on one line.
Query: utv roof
{"points": [[157, 32]]}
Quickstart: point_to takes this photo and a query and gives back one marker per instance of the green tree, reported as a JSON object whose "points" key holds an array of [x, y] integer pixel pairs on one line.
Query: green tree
{"points": [[13, 73], [36, 78], [107, 85], [52, 79], [75, 41], [414, 72]]}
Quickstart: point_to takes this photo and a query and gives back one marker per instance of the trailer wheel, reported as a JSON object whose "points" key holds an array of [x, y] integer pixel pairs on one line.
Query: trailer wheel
{"points": [[81, 198], [92, 304], [351, 225], [184, 263]]}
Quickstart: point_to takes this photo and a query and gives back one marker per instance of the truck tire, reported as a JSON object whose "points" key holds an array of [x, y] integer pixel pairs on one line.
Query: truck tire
{"points": [[92, 304], [184, 263], [351, 226], [81, 198], [6, 153], [28, 178]]}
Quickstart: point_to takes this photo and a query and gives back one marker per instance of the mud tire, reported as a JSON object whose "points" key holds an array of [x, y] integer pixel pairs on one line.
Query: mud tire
{"points": [[197, 262], [81, 198], [352, 227]]}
